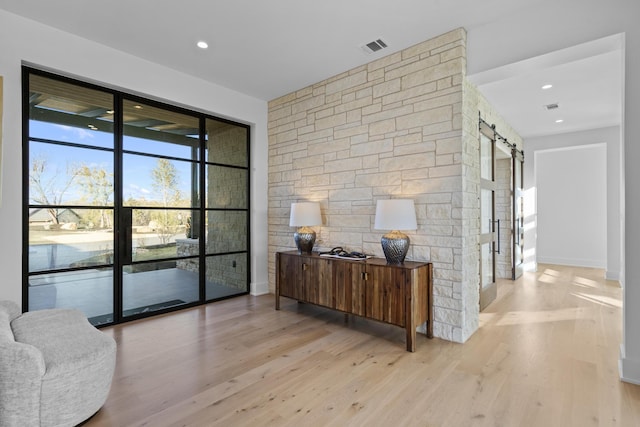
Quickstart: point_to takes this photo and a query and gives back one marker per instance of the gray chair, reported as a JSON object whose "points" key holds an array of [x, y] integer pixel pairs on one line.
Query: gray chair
{"points": [[55, 367]]}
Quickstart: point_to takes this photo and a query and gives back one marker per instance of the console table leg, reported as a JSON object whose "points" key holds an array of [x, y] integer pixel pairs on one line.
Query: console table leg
{"points": [[411, 339]]}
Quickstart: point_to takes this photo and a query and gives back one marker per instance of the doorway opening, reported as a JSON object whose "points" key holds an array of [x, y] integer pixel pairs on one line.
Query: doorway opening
{"points": [[501, 211]]}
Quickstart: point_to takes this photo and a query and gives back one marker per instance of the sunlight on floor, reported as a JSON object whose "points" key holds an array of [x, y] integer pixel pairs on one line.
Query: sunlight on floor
{"points": [[549, 276], [600, 299], [551, 272], [531, 317], [583, 289], [582, 281]]}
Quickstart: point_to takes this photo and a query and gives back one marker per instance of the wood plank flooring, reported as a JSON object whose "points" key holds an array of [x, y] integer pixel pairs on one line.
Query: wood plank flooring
{"points": [[546, 354]]}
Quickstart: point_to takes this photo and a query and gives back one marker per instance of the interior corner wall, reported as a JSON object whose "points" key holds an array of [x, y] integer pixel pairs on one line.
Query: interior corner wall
{"points": [[611, 239], [21, 42], [390, 128]]}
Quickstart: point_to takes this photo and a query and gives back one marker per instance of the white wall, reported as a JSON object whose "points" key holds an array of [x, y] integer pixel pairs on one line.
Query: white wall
{"points": [[36, 44], [578, 152], [519, 36], [572, 205]]}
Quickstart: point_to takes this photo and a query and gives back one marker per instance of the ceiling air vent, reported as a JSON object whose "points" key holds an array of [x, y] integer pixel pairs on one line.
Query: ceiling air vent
{"points": [[374, 46], [551, 106]]}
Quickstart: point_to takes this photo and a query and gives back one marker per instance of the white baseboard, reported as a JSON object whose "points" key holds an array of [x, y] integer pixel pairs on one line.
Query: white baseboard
{"points": [[259, 288], [629, 368], [612, 275], [575, 262]]}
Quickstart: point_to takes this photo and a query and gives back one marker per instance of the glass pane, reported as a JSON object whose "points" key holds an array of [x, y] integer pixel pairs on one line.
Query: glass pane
{"points": [[90, 291], [80, 238], [155, 232], [63, 175], [486, 211], [486, 263], [226, 275], [66, 112], [154, 130], [150, 181], [227, 143], [486, 158], [227, 187], [226, 231], [156, 286], [518, 220]]}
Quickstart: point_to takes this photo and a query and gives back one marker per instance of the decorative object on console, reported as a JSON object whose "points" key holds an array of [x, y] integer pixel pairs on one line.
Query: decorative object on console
{"points": [[338, 252], [395, 214], [304, 215]]}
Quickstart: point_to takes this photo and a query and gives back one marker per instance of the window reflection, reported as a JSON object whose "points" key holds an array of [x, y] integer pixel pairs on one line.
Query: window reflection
{"points": [[154, 130]]}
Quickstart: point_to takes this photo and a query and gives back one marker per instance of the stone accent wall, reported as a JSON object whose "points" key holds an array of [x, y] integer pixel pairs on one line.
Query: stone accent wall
{"points": [[402, 126], [467, 291]]}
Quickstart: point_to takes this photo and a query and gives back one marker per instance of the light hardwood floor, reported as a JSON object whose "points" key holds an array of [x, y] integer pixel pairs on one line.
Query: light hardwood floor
{"points": [[546, 354]]}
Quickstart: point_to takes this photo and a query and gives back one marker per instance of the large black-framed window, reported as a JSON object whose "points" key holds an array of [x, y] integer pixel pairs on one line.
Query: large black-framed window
{"points": [[132, 206]]}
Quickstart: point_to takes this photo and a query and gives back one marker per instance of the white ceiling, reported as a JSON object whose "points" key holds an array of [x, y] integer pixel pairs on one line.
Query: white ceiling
{"points": [[587, 87], [270, 48]]}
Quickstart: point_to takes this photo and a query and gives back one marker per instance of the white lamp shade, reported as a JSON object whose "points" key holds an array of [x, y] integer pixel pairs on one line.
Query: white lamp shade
{"points": [[305, 214], [395, 214]]}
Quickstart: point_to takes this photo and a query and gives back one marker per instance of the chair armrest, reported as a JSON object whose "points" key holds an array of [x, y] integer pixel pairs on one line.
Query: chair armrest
{"points": [[21, 370], [11, 308]]}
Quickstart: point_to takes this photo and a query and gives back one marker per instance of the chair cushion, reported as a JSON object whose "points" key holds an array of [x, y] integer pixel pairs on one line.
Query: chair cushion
{"points": [[79, 361], [64, 336]]}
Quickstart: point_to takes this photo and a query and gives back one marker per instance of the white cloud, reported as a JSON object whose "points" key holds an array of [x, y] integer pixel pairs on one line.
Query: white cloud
{"points": [[78, 132]]}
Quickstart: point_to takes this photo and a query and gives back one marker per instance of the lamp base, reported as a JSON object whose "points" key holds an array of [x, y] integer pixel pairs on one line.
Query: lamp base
{"points": [[395, 246], [305, 238]]}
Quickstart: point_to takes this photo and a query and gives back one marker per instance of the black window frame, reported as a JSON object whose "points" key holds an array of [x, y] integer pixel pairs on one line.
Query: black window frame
{"points": [[119, 97]]}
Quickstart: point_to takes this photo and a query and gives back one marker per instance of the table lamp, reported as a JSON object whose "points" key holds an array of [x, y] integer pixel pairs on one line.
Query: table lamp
{"points": [[395, 214], [304, 215]]}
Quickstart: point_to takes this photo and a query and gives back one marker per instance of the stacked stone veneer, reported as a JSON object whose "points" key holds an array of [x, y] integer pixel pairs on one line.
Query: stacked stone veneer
{"points": [[226, 189], [394, 128]]}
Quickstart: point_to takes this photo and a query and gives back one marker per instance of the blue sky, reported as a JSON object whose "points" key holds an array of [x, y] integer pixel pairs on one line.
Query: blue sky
{"points": [[137, 181]]}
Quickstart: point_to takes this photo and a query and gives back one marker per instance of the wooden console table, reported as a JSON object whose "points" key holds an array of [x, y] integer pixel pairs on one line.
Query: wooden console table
{"points": [[396, 294]]}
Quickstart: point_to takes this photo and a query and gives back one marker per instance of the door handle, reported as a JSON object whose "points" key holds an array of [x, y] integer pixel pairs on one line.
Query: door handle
{"points": [[498, 221]]}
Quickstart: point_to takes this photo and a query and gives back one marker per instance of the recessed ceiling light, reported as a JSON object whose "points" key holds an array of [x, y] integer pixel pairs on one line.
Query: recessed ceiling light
{"points": [[547, 86], [138, 107], [559, 121], [202, 44]]}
